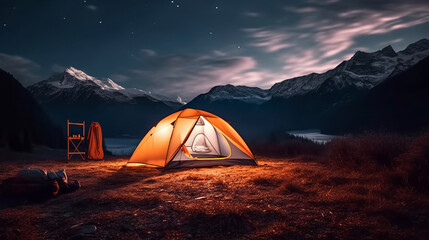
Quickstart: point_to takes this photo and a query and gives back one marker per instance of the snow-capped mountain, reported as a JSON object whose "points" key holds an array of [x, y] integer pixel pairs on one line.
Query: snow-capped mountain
{"points": [[74, 85], [133, 92], [73, 77], [76, 96], [411, 55], [24, 122], [363, 70], [398, 104], [306, 102]]}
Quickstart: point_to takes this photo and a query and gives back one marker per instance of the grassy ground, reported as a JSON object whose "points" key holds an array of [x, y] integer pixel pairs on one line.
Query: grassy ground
{"points": [[280, 199]]}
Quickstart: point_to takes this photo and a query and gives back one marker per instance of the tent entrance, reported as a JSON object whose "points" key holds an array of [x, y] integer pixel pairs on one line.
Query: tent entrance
{"points": [[204, 142], [203, 148]]}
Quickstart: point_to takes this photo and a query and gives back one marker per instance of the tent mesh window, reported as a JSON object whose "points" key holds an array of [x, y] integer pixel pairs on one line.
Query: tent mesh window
{"points": [[205, 141]]}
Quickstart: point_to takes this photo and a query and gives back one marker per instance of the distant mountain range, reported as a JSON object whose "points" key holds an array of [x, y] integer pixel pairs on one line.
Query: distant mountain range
{"points": [[74, 86], [332, 101], [398, 104], [24, 123], [363, 70], [73, 95], [308, 101]]}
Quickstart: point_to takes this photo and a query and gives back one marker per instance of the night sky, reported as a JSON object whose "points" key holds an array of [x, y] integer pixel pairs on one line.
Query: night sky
{"points": [[185, 47]]}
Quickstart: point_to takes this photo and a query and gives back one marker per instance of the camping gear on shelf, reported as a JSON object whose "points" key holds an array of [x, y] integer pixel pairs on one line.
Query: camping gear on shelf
{"points": [[75, 140], [94, 142], [38, 183], [192, 138]]}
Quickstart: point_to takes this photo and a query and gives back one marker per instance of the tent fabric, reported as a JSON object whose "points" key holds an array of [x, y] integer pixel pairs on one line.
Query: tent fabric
{"points": [[192, 138], [95, 142]]}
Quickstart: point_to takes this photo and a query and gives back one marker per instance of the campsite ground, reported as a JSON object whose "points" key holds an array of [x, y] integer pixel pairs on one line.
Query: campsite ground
{"points": [[294, 198]]}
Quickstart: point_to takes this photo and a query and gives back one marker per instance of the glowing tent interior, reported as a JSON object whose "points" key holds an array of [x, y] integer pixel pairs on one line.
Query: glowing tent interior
{"points": [[192, 138]]}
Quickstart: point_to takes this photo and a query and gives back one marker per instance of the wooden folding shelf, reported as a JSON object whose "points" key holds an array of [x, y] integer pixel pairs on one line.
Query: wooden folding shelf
{"points": [[75, 140]]}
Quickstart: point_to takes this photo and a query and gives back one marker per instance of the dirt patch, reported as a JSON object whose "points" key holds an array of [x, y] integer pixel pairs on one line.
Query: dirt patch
{"points": [[231, 224], [266, 182]]}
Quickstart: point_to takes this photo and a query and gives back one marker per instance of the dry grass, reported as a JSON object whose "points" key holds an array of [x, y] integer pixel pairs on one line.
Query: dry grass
{"points": [[403, 161], [368, 152], [413, 164], [290, 146], [280, 199]]}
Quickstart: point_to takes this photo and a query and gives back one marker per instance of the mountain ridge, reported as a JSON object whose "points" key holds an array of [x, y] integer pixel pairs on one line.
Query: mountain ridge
{"points": [[394, 105], [306, 102], [382, 64], [77, 86], [300, 102], [74, 95]]}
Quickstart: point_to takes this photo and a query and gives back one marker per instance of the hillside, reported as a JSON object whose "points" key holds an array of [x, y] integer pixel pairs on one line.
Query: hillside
{"points": [[24, 123], [73, 95], [398, 104]]}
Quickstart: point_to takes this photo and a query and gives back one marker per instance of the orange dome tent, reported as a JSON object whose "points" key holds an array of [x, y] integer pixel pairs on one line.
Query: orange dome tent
{"points": [[192, 138]]}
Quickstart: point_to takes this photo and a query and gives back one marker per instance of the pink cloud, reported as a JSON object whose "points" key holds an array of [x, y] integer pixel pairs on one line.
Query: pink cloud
{"points": [[301, 9], [26, 71], [326, 35], [271, 41], [251, 14], [189, 75]]}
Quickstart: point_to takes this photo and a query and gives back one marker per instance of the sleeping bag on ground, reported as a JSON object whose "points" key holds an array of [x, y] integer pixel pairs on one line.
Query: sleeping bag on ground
{"points": [[94, 142], [31, 182]]}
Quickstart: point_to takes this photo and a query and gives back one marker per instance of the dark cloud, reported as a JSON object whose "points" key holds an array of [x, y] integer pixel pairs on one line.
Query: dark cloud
{"points": [[24, 70], [187, 75], [56, 68], [219, 53]]}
